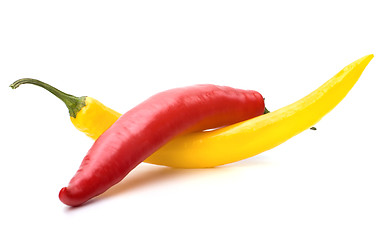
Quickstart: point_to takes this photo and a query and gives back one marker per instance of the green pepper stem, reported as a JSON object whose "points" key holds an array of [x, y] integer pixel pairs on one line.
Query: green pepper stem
{"points": [[74, 104]]}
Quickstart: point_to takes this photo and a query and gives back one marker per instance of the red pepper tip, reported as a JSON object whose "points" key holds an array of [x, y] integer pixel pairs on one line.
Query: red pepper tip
{"points": [[65, 197]]}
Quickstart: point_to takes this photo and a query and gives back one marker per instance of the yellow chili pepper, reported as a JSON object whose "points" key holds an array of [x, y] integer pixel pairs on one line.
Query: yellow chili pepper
{"points": [[231, 143]]}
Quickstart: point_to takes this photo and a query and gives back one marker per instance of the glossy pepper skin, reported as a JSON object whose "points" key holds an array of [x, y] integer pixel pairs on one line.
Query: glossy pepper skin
{"points": [[235, 142], [148, 126], [254, 136], [102, 118]]}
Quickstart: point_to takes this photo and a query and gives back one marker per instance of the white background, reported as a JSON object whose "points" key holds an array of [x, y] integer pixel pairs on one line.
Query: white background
{"points": [[324, 184]]}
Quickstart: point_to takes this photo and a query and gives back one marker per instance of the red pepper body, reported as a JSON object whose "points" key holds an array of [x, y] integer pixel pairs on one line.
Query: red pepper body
{"points": [[145, 128]]}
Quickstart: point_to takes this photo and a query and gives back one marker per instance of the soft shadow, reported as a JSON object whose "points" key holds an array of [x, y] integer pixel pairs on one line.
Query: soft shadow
{"points": [[143, 175], [70, 209], [151, 174], [155, 174], [147, 174]]}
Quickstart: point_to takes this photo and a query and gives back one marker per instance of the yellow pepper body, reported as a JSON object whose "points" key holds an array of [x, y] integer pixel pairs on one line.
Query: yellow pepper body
{"points": [[228, 144], [94, 118]]}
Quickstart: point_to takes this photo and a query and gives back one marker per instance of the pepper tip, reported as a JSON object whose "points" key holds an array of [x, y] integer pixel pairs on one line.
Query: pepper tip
{"points": [[64, 197]]}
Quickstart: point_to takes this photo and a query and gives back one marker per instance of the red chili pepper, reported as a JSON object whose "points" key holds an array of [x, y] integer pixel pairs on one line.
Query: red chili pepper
{"points": [[145, 128]]}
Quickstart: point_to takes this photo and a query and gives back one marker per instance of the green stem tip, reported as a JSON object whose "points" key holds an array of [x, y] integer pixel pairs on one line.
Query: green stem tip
{"points": [[74, 104]]}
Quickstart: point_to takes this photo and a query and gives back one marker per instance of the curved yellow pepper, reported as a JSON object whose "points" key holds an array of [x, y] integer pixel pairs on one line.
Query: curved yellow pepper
{"points": [[231, 143]]}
